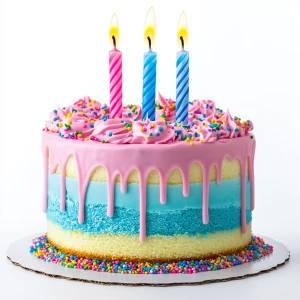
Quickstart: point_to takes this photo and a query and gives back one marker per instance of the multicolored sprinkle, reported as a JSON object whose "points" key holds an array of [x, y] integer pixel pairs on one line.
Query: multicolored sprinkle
{"points": [[42, 249]]}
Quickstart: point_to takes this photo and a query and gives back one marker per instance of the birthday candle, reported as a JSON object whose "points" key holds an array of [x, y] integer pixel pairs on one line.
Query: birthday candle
{"points": [[182, 73], [149, 74], [115, 71]]}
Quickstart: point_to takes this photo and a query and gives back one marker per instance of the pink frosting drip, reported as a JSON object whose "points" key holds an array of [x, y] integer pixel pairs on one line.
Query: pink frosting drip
{"points": [[145, 158]]}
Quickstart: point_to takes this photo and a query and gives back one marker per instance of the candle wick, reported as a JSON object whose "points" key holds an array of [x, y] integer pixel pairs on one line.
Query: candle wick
{"points": [[149, 41], [182, 42], [114, 41]]}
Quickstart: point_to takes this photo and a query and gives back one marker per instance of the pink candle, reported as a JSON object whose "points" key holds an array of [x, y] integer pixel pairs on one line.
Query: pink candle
{"points": [[115, 72]]}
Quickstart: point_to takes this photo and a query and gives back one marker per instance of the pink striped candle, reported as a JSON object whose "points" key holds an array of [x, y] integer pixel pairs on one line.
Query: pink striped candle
{"points": [[115, 72]]}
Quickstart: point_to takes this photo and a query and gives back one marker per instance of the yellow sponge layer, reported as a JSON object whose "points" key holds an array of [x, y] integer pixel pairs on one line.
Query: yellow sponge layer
{"points": [[156, 248], [230, 169]]}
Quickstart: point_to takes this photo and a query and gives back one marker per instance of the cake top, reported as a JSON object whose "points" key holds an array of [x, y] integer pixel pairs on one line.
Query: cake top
{"points": [[88, 120]]}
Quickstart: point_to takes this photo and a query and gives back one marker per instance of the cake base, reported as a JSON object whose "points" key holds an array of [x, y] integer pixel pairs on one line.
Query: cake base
{"points": [[18, 253]]}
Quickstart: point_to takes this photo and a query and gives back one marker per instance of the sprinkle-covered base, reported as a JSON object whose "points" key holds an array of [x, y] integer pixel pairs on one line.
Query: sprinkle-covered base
{"points": [[42, 249]]}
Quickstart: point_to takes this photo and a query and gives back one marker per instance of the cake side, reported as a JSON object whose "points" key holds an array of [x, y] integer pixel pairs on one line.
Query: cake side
{"points": [[167, 224]]}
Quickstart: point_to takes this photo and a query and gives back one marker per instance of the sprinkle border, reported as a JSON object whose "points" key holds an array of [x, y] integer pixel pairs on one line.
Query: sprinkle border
{"points": [[42, 249]]}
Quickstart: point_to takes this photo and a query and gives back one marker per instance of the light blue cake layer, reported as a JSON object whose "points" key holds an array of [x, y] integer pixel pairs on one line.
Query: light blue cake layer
{"points": [[180, 215], [223, 195]]}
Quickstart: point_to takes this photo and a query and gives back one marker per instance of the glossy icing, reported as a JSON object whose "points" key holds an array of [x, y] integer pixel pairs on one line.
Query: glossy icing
{"points": [[123, 158]]}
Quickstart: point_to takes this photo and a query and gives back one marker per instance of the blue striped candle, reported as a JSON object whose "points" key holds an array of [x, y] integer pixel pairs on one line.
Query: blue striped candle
{"points": [[182, 87], [149, 85]]}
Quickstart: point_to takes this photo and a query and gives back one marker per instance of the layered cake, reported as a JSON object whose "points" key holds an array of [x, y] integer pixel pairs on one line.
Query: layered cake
{"points": [[155, 191]]}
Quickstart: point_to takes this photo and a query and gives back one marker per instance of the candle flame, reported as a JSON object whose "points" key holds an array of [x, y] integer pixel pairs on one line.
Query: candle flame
{"points": [[114, 35], [150, 28], [182, 33]]}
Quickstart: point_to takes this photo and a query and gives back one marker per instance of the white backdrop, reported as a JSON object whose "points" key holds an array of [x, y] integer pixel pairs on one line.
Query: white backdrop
{"points": [[244, 55]]}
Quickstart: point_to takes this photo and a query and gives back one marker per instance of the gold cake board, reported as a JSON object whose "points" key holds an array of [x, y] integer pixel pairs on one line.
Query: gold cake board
{"points": [[18, 253]]}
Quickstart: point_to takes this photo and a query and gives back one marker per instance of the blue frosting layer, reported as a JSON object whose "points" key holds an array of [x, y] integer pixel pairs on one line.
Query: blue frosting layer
{"points": [[226, 194], [180, 215]]}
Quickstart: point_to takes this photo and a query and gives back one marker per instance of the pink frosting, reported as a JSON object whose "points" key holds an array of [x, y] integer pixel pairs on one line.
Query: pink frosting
{"points": [[133, 112], [88, 119], [127, 132], [113, 131], [165, 109], [201, 109], [152, 132]]}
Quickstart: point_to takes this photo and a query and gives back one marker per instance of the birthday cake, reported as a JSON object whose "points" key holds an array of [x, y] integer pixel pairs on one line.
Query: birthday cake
{"points": [[134, 190]]}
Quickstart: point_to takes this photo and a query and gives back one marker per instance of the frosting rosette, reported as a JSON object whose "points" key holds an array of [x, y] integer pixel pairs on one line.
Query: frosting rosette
{"points": [[113, 131], [90, 108], [77, 120], [201, 109], [133, 112], [165, 109], [152, 132]]}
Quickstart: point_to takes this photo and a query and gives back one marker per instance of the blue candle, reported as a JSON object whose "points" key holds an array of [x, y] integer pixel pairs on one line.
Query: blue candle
{"points": [[182, 87], [182, 74], [149, 76], [149, 85]]}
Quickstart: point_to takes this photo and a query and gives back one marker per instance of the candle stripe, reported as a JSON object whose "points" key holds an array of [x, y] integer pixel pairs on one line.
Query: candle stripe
{"points": [[149, 86], [182, 87], [115, 71]]}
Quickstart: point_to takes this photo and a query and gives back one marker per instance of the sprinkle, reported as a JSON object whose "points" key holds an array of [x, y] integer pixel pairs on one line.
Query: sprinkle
{"points": [[110, 133], [157, 133], [103, 141], [161, 128], [91, 125], [68, 126], [55, 111], [43, 250], [55, 119]]}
